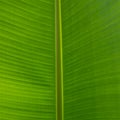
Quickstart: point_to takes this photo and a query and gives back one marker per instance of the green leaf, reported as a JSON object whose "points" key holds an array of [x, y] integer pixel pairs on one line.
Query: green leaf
{"points": [[59, 66], [27, 60], [91, 59]]}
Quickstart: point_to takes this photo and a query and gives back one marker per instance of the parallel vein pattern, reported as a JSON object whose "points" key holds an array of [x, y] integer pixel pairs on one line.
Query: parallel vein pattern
{"points": [[91, 59], [27, 60]]}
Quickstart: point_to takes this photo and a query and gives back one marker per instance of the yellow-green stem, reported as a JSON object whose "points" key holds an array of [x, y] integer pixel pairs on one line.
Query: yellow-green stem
{"points": [[59, 63]]}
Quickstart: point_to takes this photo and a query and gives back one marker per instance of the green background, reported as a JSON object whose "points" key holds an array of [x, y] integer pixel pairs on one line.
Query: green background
{"points": [[91, 59]]}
